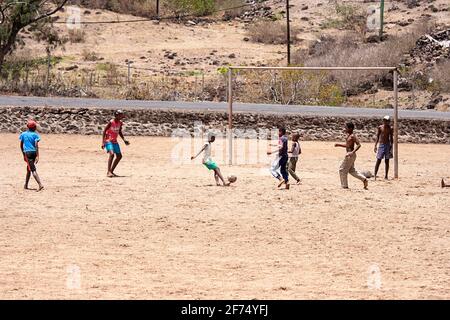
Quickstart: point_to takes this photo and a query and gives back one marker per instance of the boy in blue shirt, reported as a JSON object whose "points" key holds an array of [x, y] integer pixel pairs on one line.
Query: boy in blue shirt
{"points": [[29, 147]]}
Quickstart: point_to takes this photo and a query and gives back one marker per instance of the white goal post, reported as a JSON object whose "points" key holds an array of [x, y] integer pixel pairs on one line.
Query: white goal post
{"points": [[230, 100]]}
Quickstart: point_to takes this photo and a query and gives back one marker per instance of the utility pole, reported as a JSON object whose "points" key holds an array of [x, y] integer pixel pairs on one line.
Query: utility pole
{"points": [[288, 26], [129, 72], [157, 9], [381, 18], [49, 65]]}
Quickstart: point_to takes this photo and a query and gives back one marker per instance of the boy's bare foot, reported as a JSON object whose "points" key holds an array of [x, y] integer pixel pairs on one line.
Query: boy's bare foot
{"points": [[40, 188], [281, 183], [110, 175], [299, 181], [227, 184], [287, 186], [366, 184], [26, 187], [442, 183]]}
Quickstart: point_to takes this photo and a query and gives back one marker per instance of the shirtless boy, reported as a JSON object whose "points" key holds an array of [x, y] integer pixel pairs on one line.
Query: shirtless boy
{"points": [[348, 164], [384, 150]]}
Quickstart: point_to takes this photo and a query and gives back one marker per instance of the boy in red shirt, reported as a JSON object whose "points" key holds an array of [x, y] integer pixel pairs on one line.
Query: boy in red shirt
{"points": [[112, 130]]}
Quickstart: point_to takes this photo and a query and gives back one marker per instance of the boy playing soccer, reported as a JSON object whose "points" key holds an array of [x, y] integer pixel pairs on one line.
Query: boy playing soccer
{"points": [[295, 152], [384, 150], [29, 146], [283, 157], [348, 164], [109, 141], [209, 163]]}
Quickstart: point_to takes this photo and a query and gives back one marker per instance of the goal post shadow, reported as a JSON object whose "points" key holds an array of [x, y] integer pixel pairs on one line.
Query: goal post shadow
{"points": [[230, 100]]}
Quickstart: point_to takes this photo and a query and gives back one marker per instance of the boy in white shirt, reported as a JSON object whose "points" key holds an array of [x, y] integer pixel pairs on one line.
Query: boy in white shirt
{"points": [[295, 152], [209, 163]]}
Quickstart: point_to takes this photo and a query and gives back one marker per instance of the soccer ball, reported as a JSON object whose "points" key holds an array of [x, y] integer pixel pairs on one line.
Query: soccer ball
{"points": [[367, 174], [232, 179]]}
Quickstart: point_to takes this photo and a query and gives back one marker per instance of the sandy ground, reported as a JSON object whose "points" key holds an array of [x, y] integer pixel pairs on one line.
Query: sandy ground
{"points": [[163, 231]]}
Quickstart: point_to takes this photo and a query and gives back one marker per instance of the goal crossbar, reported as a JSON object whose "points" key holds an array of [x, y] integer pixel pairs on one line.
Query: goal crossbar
{"points": [[230, 100], [311, 68]]}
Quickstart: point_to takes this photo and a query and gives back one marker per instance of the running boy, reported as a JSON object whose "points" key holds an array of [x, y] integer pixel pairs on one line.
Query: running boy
{"points": [[295, 152], [348, 164], [109, 141], [283, 156], [29, 146], [385, 137], [209, 163]]}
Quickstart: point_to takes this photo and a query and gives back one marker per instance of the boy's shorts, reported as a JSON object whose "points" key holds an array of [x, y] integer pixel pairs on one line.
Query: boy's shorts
{"points": [[110, 146], [30, 158], [384, 151], [211, 165]]}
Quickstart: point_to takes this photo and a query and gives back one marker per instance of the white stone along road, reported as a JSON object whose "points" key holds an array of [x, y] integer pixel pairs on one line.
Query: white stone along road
{"points": [[219, 106]]}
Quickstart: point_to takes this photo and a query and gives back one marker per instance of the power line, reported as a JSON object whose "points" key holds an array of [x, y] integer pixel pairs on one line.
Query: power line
{"points": [[152, 19]]}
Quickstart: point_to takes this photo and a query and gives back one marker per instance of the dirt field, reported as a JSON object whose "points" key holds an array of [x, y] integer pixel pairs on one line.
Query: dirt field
{"points": [[163, 231]]}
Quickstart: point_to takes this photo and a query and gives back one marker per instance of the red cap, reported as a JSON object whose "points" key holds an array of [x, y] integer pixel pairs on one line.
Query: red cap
{"points": [[31, 124]]}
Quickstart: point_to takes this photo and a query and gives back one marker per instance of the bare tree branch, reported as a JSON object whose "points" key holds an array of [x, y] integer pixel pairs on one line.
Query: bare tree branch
{"points": [[46, 15]]}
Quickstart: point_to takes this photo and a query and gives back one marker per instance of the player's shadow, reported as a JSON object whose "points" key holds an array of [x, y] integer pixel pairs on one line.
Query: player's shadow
{"points": [[215, 186], [119, 176]]}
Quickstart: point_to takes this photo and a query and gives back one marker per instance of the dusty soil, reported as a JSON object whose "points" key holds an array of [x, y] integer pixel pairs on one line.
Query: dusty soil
{"points": [[163, 231]]}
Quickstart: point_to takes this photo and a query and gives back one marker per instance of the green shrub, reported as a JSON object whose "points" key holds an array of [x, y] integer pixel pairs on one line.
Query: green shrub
{"points": [[194, 7], [349, 17]]}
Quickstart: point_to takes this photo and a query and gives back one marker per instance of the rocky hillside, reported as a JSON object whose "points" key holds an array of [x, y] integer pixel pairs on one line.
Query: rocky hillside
{"points": [[180, 58]]}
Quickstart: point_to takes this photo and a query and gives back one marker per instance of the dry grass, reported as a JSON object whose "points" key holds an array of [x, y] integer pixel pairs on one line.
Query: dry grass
{"points": [[338, 53], [271, 32], [76, 36], [145, 8], [288, 87], [441, 77], [89, 55], [235, 5]]}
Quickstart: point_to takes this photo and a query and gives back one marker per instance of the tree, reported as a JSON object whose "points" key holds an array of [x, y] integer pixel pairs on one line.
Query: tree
{"points": [[15, 15], [45, 32]]}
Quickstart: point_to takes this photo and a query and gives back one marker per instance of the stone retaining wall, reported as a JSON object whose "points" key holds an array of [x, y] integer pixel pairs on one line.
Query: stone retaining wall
{"points": [[162, 123]]}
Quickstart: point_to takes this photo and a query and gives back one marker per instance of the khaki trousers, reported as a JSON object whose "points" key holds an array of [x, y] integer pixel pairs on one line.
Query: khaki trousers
{"points": [[348, 166], [291, 167]]}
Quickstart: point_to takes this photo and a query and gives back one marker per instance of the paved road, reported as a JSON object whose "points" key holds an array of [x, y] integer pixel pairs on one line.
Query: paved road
{"points": [[219, 106]]}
